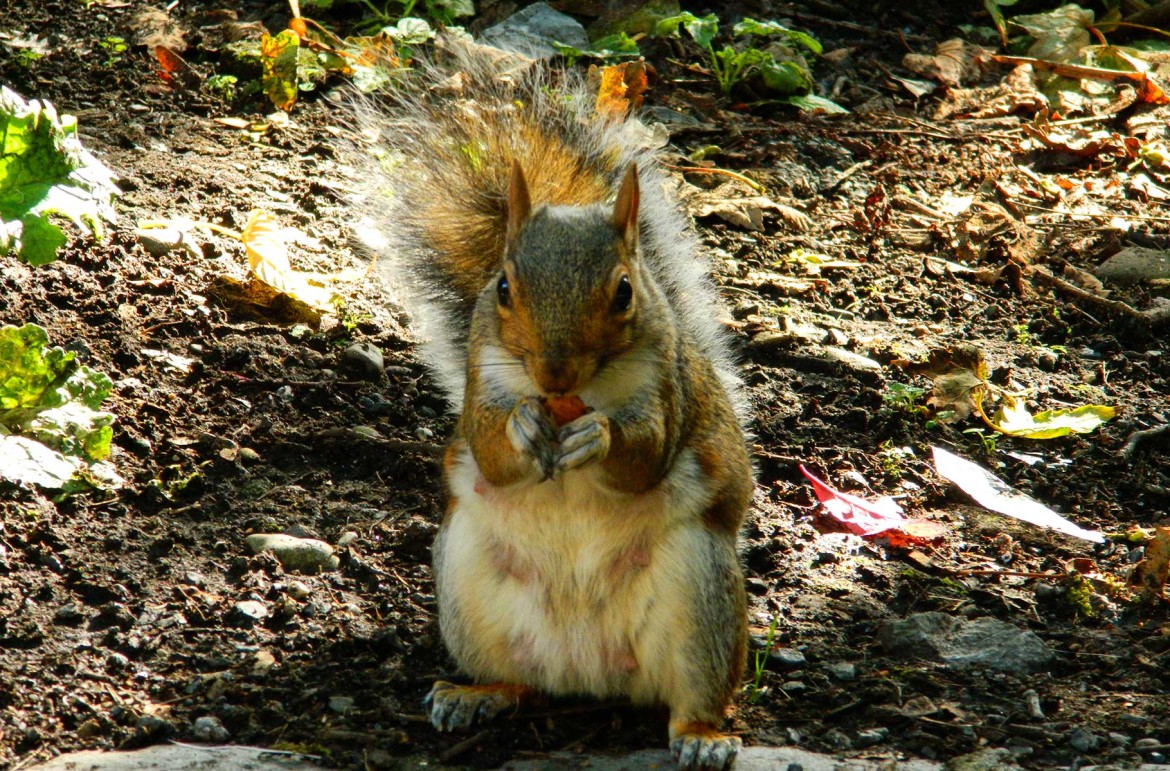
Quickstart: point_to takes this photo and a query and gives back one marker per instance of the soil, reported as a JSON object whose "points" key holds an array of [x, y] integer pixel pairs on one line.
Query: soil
{"points": [[120, 621]]}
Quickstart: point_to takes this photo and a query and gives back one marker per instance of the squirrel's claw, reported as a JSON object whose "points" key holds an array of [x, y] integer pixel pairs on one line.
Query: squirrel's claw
{"points": [[530, 430], [583, 440], [454, 707], [705, 751]]}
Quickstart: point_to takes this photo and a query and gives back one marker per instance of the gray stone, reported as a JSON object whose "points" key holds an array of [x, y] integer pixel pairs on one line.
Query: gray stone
{"points": [[786, 660], [750, 759], [960, 643], [299, 590], [871, 736], [364, 361], [341, 704], [248, 612], [1135, 264], [209, 729], [178, 757], [533, 30], [845, 671], [302, 555], [992, 759], [1083, 741]]}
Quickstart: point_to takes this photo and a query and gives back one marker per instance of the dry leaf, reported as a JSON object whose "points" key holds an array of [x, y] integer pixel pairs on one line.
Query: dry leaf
{"points": [[267, 246], [619, 88], [953, 62], [1151, 573]]}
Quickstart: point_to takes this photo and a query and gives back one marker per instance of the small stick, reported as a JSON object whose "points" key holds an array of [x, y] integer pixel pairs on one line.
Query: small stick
{"points": [[456, 750], [1137, 437]]}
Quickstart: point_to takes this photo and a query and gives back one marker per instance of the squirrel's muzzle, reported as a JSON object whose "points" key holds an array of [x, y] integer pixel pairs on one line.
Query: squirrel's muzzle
{"points": [[555, 376]]}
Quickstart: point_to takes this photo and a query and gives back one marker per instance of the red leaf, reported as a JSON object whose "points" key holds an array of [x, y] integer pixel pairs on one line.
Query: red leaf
{"points": [[872, 518]]}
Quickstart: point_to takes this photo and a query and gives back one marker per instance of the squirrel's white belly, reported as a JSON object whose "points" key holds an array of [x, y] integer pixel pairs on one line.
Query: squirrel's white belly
{"points": [[581, 597]]}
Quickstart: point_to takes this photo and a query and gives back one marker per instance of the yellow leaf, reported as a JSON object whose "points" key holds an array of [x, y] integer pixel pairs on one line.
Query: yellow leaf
{"points": [[1014, 419], [278, 56], [267, 247]]}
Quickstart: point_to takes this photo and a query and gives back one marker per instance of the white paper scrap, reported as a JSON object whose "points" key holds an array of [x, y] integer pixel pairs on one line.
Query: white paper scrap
{"points": [[993, 493]]}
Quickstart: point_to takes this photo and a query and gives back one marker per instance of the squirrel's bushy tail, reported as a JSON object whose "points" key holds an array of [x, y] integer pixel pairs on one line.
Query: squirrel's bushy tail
{"points": [[437, 193]]}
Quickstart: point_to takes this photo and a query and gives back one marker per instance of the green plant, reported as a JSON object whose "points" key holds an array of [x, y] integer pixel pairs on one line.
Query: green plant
{"points": [[1023, 336], [223, 86], [755, 691], [902, 396], [604, 48], [732, 64], [26, 56], [989, 441], [114, 47]]}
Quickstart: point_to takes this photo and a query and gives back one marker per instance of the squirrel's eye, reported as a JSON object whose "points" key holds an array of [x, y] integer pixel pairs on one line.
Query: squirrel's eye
{"points": [[504, 292], [623, 296]]}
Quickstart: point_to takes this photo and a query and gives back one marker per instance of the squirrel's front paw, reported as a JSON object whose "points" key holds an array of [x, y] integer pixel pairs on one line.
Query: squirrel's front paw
{"points": [[530, 430], [583, 440], [458, 707]]}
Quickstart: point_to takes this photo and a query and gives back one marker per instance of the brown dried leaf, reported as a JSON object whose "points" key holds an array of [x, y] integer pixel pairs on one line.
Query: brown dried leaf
{"points": [[1152, 572], [953, 62]]}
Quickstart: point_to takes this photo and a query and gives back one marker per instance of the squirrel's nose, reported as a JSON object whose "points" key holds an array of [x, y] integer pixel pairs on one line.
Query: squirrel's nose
{"points": [[555, 376]]}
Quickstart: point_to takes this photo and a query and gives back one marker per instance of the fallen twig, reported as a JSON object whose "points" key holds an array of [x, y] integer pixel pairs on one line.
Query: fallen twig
{"points": [[1137, 437], [1153, 317]]}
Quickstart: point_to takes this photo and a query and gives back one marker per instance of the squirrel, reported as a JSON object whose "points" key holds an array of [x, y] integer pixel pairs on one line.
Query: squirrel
{"points": [[544, 264]]}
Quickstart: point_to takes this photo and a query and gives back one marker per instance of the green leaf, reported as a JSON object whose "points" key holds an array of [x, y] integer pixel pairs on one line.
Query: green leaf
{"points": [[785, 77], [702, 30], [769, 28], [279, 56], [608, 47], [993, 10], [1014, 419], [51, 404], [45, 171], [816, 104], [453, 9], [410, 31]]}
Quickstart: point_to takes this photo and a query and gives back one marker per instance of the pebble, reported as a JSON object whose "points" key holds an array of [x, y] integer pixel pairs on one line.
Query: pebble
{"points": [[364, 361], [785, 660], [1084, 741], [1146, 743], [299, 590], [248, 612], [152, 726], [198, 580], [341, 704], [871, 736], [845, 671], [68, 613], [117, 662], [347, 538], [793, 687], [90, 728], [304, 555], [1120, 739], [209, 729]]}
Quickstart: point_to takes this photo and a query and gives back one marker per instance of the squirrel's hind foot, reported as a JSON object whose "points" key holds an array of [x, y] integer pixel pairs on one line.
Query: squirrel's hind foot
{"points": [[700, 747], [454, 707]]}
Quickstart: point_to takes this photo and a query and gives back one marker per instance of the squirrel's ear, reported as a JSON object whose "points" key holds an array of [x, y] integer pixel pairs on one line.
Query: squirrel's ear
{"points": [[519, 204], [625, 208]]}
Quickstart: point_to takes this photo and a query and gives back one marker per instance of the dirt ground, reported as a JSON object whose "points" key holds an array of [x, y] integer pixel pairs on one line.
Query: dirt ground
{"points": [[120, 615]]}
